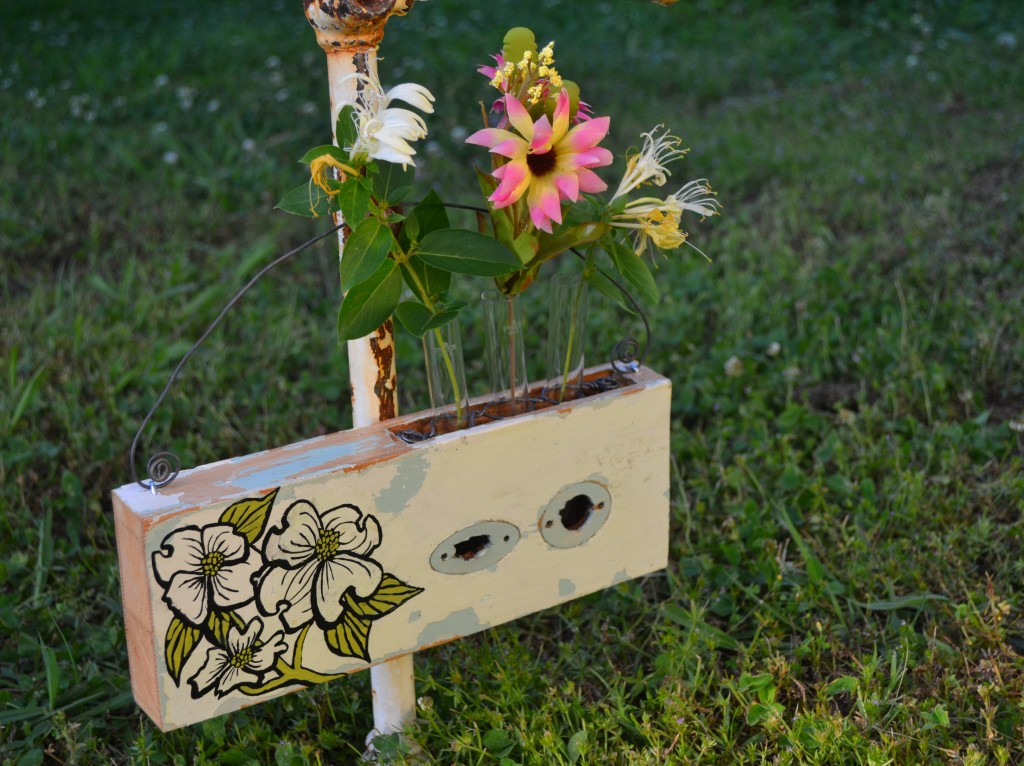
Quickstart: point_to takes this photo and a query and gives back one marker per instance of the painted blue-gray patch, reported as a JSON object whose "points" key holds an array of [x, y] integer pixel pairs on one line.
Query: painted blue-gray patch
{"points": [[274, 476], [462, 623], [620, 577], [407, 482], [414, 616], [566, 587]]}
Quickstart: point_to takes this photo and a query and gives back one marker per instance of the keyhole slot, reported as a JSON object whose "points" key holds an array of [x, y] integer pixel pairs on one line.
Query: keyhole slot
{"points": [[472, 547], [576, 512]]}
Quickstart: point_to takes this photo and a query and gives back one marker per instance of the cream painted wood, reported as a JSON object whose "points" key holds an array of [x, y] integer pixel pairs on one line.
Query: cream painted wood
{"points": [[421, 496]]}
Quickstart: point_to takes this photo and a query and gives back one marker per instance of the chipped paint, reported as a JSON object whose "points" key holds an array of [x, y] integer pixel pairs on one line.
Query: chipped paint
{"points": [[465, 622], [404, 486], [566, 588]]}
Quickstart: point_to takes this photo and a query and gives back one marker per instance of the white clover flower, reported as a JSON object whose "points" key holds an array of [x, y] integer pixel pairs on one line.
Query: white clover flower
{"points": [[315, 560], [201, 568], [774, 349], [1016, 426], [383, 131], [245, 660], [791, 374], [733, 367]]}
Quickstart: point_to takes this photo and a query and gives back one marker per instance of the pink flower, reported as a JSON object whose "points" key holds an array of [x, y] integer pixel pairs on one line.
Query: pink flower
{"points": [[548, 161]]}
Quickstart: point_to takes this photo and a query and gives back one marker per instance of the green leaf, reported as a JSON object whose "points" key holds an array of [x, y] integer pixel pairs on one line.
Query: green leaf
{"points": [[330, 149], [434, 282], [350, 637], [498, 742], [391, 594], [345, 131], [600, 282], [179, 643], [354, 200], [429, 215], [369, 304], [761, 711], [308, 200], [392, 183], [365, 250], [841, 685], [417, 319], [249, 516], [633, 268], [576, 744], [699, 626], [52, 674], [913, 601], [466, 252]]}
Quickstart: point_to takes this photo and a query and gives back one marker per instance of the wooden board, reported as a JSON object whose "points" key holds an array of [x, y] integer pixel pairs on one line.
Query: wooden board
{"points": [[261, 575]]}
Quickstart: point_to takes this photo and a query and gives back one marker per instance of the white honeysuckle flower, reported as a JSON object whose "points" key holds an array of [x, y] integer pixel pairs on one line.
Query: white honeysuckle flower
{"points": [[648, 165], [314, 560], [658, 220], [200, 568], [242, 662], [384, 132]]}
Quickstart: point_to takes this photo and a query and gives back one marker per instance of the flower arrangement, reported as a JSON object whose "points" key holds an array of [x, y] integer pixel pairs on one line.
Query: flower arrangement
{"points": [[543, 198]]}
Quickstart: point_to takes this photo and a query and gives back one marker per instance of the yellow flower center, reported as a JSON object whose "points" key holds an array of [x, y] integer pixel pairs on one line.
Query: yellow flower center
{"points": [[243, 658], [327, 545], [212, 563]]}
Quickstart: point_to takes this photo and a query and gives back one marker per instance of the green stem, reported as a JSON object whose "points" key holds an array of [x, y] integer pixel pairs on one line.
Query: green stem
{"points": [[460, 415], [587, 268], [572, 340]]}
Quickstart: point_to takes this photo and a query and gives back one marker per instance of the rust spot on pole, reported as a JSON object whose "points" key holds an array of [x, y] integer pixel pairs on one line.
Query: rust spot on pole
{"points": [[352, 25], [382, 345]]}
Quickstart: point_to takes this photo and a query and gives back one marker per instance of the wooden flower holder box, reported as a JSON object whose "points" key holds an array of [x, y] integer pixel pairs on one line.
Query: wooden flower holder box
{"points": [[261, 575]]}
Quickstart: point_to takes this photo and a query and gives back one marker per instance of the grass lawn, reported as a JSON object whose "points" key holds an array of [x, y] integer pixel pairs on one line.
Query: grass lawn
{"points": [[845, 582]]}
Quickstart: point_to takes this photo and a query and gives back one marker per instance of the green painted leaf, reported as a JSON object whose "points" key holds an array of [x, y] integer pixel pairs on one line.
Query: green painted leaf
{"points": [[466, 252], [345, 131], [350, 637], [179, 644], [365, 250], [308, 200], [354, 200], [392, 183], [249, 516], [634, 269], [319, 151], [391, 594], [369, 304], [218, 624], [418, 319]]}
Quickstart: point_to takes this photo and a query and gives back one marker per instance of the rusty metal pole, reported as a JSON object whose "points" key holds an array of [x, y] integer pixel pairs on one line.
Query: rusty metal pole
{"points": [[349, 31]]}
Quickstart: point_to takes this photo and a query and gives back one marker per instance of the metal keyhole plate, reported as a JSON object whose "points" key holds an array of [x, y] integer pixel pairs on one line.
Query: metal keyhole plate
{"points": [[476, 547], [575, 514]]}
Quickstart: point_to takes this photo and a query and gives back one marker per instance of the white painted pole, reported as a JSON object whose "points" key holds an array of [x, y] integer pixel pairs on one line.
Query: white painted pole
{"points": [[349, 31]]}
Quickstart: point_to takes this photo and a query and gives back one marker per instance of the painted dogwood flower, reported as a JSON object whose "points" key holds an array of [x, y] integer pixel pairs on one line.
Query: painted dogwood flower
{"points": [[384, 131], [202, 568], [548, 161], [314, 560], [242, 662]]}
